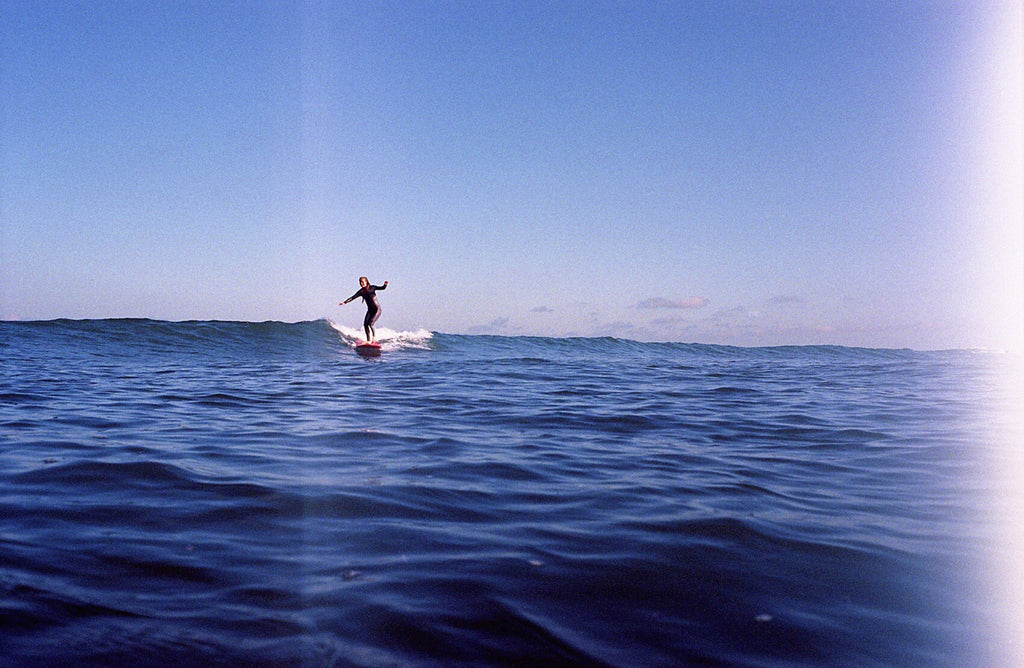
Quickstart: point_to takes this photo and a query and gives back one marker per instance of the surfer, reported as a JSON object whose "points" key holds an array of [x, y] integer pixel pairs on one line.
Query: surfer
{"points": [[369, 294]]}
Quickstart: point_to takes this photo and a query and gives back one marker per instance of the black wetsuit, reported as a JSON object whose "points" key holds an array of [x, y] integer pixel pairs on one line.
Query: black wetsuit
{"points": [[369, 295]]}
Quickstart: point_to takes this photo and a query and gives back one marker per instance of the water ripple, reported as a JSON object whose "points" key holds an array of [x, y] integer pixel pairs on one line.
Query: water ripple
{"points": [[256, 494]]}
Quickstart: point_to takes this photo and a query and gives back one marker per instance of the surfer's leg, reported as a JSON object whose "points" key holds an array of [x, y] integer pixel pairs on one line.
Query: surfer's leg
{"points": [[367, 322], [371, 318]]}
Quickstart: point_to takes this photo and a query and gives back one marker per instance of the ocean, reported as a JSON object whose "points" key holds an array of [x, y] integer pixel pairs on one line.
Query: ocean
{"points": [[230, 493]]}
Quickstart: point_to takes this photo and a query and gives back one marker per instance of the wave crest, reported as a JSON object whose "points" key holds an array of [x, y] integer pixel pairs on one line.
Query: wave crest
{"points": [[388, 338]]}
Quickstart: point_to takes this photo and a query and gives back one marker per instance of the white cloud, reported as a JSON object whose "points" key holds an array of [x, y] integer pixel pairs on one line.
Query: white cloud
{"points": [[785, 300], [662, 302], [493, 327]]}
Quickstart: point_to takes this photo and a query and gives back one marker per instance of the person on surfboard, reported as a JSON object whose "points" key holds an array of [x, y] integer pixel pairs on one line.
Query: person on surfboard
{"points": [[369, 294]]}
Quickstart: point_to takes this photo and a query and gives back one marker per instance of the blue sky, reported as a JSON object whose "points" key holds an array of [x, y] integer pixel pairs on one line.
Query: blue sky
{"points": [[750, 173]]}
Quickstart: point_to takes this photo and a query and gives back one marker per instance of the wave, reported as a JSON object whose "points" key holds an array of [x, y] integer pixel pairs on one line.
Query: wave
{"points": [[273, 337], [127, 336], [558, 347], [388, 338]]}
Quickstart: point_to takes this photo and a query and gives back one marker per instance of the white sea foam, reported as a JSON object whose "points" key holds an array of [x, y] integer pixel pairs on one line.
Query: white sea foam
{"points": [[388, 338]]}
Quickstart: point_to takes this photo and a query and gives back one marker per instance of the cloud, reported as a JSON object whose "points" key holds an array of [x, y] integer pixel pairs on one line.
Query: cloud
{"points": [[493, 327], [661, 302], [785, 300], [619, 328]]}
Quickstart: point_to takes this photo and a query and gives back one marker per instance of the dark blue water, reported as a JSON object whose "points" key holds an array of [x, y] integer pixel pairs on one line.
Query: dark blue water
{"points": [[257, 494]]}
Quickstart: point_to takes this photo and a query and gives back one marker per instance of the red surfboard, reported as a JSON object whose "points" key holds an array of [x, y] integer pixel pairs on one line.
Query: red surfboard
{"points": [[368, 348]]}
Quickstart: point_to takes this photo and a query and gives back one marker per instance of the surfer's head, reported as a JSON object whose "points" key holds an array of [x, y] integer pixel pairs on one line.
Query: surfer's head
{"points": [[363, 281]]}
